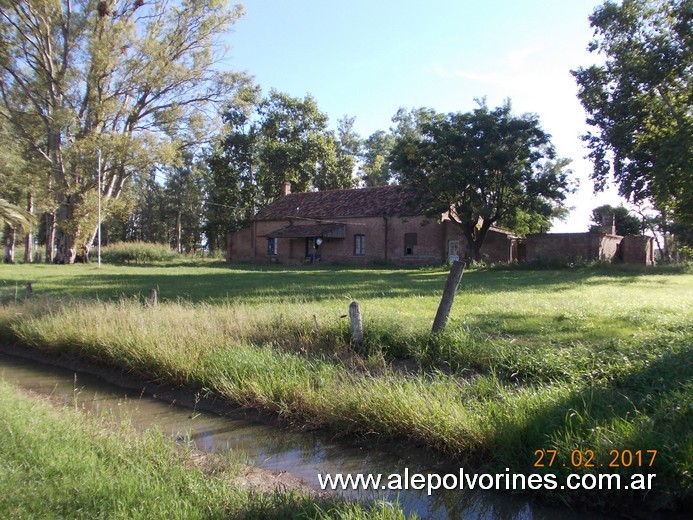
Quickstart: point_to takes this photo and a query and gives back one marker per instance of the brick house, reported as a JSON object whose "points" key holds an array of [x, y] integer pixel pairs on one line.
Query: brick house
{"points": [[357, 226]]}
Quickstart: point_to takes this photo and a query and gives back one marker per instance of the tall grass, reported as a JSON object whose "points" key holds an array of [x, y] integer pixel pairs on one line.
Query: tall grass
{"points": [[71, 466], [137, 253]]}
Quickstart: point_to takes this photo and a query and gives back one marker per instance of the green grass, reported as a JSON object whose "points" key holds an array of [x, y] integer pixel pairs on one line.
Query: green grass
{"points": [[595, 358], [68, 465]]}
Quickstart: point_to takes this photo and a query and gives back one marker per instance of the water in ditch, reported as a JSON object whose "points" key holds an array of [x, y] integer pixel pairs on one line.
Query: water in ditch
{"points": [[271, 446]]}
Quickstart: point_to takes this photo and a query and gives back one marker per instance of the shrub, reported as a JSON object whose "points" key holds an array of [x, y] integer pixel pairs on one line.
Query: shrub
{"points": [[138, 253]]}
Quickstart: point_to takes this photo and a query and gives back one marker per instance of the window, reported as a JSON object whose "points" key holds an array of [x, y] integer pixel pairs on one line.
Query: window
{"points": [[409, 243], [272, 246], [359, 245]]}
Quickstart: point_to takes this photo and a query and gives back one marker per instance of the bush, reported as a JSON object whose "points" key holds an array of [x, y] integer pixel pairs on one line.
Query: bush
{"points": [[138, 253]]}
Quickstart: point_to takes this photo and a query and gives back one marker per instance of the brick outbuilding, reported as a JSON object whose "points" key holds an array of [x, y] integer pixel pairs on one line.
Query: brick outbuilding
{"points": [[601, 244]]}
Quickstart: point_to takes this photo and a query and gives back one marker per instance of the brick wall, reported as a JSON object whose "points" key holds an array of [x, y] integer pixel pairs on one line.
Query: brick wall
{"points": [[383, 238], [563, 246], [638, 250], [590, 246], [497, 246], [239, 246]]}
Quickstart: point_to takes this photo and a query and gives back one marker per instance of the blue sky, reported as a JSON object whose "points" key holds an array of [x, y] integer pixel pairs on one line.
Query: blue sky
{"points": [[368, 58]]}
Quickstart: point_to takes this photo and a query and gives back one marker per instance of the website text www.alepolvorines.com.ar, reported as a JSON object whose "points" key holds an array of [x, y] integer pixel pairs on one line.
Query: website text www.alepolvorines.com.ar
{"points": [[463, 480]]}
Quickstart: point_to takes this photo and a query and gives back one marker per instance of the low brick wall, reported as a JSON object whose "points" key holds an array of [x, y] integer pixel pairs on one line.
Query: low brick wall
{"points": [[239, 246], [563, 246], [590, 246], [638, 250]]}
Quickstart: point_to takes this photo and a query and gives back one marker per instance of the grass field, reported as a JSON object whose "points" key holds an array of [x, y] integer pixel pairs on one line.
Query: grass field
{"points": [[592, 359]]}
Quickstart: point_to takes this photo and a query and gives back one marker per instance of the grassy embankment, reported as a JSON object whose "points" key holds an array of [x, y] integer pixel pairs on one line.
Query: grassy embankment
{"points": [[69, 465], [588, 359]]}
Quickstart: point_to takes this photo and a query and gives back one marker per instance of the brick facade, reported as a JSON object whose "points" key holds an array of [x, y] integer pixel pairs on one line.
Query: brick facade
{"points": [[638, 250], [375, 227]]}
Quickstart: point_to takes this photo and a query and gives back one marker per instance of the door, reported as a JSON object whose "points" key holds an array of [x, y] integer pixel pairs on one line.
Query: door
{"points": [[313, 249], [453, 250]]}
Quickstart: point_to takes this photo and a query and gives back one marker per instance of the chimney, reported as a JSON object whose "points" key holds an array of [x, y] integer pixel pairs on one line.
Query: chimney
{"points": [[608, 223], [286, 188]]}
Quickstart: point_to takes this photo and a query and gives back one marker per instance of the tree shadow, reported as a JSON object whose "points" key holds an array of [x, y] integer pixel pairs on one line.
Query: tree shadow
{"points": [[657, 404], [265, 283]]}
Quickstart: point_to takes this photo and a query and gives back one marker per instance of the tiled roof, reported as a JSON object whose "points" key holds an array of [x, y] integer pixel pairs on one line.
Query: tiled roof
{"points": [[331, 204]]}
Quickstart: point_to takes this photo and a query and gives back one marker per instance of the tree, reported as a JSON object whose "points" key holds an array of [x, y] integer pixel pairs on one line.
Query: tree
{"points": [[128, 78], [626, 222], [375, 169], [294, 145], [13, 217], [230, 188], [481, 168], [348, 149], [638, 102], [183, 195], [269, 141]]}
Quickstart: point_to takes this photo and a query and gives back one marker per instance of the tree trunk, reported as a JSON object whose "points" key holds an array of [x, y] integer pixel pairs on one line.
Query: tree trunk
{"points": [[65, 248], [10, 236], [68, 233], [179, 233], [50, 236], [445, 306], [28, 241], [476, 251], [474, 243]]}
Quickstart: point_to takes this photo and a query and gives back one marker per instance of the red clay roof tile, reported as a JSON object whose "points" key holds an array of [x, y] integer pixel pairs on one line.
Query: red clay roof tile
{"points": [[363, 202]]}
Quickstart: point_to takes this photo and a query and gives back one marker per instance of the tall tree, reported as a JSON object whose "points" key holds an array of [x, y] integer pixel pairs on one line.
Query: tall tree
{"points": [[375, 167], [128, 77], [267, 142], [348, 148], [481, 168], [294, 145], [626, 222], [231, 192], [184, 197], [639, 102]]}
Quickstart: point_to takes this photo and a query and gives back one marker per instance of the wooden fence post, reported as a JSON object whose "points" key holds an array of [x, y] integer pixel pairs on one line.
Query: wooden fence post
{"points": [[356, 326], [454, 278], [29, 290], [152, 298]]}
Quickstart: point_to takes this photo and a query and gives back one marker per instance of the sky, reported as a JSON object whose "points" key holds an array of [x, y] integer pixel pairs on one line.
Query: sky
{"points": [[368, 58]]}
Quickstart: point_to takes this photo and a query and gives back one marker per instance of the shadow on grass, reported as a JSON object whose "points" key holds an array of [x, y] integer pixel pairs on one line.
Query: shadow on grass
{"points": [[648, 409], [220, 282]]}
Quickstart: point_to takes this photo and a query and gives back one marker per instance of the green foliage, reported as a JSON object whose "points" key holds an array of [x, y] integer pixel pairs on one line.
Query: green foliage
{"points": [[270, 141], [639, 102], [14, 216], [137, 253], [482, 168], [231, 190], [295, 146], [375, 170], [126, 83], [626, 222]]}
